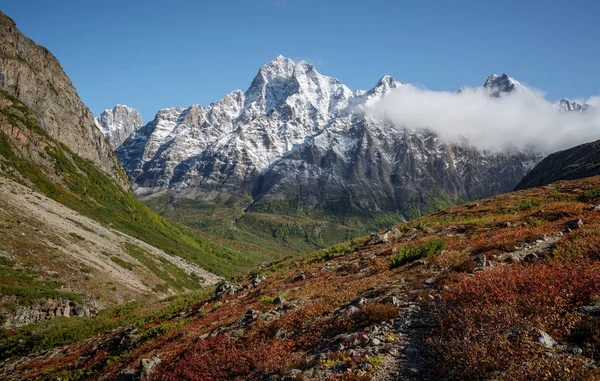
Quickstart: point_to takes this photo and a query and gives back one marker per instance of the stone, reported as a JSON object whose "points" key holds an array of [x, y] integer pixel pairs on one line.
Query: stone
{"points": [[359, 302], [299, 278], [590, 310], [377, 238], [256, 280], [481, 260], [375, 341], [390, 299], [279, 300], [545, 340], [251, 315], [147, 366], [574, 224], [127, 375]]}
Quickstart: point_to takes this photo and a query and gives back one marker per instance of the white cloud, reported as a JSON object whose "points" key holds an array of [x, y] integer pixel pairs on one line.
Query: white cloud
{"points": [[594, 101], [519, 120]]}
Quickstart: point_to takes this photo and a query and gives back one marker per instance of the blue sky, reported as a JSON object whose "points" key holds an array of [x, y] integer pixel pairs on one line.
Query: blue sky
{"points": [[154, 54]]}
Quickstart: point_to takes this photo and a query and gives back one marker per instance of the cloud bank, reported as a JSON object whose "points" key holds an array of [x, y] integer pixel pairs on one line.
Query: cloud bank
{"points": [[514, 121]]}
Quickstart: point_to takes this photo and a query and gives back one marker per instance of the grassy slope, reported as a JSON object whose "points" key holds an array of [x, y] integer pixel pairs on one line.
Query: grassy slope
{"points": [[272, 230], [90, 191], [486, 321]]}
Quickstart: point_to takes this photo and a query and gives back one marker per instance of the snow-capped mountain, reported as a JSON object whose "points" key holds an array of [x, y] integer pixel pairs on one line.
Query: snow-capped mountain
{"points": [[296, 134], [503, 84], [565, 105], [118, 124]]}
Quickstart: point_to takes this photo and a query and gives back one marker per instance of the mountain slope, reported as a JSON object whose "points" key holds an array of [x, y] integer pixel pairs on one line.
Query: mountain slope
{"points": [[101, 246], [504, 288], [574, 163], [32, 74]]}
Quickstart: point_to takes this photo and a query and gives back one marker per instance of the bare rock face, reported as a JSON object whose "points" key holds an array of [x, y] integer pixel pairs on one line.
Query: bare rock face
{"points": [[31, 73], [119, 123], [44, 309]]}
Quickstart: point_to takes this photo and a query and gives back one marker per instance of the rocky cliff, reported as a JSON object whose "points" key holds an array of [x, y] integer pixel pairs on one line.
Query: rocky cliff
{"points": [[31, 73]]}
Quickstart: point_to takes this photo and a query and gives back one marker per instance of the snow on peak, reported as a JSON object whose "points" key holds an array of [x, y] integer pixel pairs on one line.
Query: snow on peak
{"points": [[279, 67], [499, 84], [118, 123], [565, 105]]}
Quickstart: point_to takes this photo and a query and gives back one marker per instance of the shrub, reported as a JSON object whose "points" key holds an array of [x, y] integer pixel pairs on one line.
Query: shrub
{"points": [[487, 321], [588, 195], [219, 358], [408, 253]]}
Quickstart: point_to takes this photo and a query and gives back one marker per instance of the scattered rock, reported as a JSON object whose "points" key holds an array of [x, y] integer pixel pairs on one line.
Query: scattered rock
{"points": [[127, 375], [147, 366], [430, 282], [225, 289], [545, 340], [299, 278], [590, 310], [375, 341], [377, 238], [574, 224], [359, 302], [256, 280], [391, 300], [279, 300]]}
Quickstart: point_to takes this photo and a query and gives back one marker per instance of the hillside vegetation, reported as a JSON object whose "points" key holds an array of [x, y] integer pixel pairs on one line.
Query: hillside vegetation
{"points": [[503, 288], [79, 185]]}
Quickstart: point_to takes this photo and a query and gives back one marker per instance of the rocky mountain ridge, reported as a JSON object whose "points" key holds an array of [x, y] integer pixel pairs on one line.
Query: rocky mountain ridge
{"points": [[574, 163], [31, 73], [302, 137]]}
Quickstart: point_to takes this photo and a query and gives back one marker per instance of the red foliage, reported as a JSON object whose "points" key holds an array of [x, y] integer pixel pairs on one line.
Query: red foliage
{"points": [[486, 321], [219, 358]]}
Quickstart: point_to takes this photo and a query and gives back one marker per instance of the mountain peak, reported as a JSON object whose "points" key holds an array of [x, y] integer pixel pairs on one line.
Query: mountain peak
{"points": [[118, 123], [498, 84], [565, 105], [279, 67]]}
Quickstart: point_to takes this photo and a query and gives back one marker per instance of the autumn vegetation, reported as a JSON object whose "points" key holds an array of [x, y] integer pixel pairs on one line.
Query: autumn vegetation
{"points": [[461, 264]]}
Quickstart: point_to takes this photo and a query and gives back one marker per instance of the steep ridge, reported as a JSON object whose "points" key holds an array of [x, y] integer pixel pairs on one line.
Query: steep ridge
{"points": [[505, 288], [71, 230], [32, 74], [574, 163]]}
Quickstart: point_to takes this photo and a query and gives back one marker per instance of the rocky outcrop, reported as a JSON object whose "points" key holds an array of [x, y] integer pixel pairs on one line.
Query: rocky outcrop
{"points": [[119, 123], [42, 310], [31, 73], [571, 164]]}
